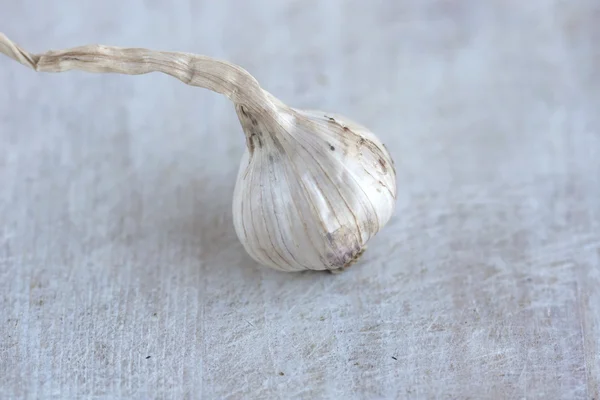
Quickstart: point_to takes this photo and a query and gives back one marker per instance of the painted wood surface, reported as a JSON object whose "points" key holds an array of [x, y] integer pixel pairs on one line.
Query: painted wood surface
{"points": [[120, 272]]}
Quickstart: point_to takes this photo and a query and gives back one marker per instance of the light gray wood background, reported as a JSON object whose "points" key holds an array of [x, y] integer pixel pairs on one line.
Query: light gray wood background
{"points": [[120, 273]]}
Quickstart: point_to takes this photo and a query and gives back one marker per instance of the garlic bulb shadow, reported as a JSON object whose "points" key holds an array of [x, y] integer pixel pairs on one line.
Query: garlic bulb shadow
{"points": [[205, 230]]}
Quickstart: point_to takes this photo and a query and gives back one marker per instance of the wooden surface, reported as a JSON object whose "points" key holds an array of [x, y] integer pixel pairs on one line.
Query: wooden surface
{"points": [[120, 273]]}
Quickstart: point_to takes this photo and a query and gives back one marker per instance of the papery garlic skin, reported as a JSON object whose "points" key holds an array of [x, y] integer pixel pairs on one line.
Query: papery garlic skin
{"points": [[312, 189]]}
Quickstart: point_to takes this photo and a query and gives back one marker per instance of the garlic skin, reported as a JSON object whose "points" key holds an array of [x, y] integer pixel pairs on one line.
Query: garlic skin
{"points": [[312, 189]]}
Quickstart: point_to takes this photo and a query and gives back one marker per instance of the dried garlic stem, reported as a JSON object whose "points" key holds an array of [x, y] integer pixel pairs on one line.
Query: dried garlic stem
{"points": [[194, 70]]}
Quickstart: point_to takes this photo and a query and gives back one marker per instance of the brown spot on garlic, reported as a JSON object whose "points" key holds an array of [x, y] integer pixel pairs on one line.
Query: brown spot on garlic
{"points": [[253, 121], [252, 138], [277, 144], [382, 164], [345, 247]]}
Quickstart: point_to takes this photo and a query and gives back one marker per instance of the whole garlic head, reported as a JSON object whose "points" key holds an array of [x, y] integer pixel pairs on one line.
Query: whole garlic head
{"points": [[312, 188]]}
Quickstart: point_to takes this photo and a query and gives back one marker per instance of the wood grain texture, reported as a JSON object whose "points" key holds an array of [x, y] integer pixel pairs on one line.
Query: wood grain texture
{"points": [[120, 272]]}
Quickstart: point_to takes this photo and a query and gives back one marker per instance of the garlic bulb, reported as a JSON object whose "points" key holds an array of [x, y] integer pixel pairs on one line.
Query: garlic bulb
{"points": [[312, 187]]}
